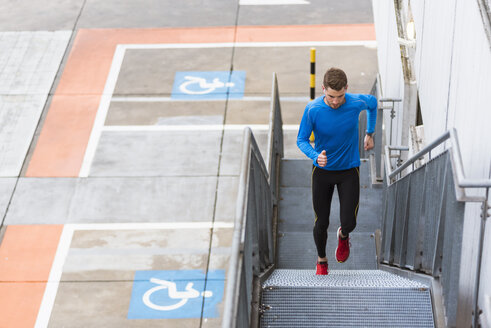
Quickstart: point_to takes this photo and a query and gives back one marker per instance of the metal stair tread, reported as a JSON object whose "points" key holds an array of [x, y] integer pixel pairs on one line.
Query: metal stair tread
{"points": [[339, 279]]}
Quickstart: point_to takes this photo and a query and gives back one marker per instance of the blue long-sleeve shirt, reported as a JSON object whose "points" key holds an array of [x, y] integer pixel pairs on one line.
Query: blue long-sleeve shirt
{"points": [[336, 130]]}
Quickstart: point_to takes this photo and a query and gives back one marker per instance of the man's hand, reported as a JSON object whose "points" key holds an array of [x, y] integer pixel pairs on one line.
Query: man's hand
{"points": [[322, 159], [368, 144]]}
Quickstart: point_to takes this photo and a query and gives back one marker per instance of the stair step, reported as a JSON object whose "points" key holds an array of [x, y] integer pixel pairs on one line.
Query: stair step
{"points": [[344, 298], [339, 278]]}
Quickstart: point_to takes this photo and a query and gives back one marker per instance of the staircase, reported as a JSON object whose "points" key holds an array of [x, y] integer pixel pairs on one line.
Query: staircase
{"points": [[355, 293]]}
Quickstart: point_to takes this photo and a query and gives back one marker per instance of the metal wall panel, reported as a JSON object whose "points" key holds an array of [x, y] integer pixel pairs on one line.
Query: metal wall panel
{"points": [[389, 63], [400, 221], [388, 227], [435, 171], [452, 246], [415, 223]]}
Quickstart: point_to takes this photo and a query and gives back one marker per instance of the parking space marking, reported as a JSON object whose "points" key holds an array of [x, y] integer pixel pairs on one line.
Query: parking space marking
{"points": [[167, 99], [197, 127], [272, 2], [63, 247], [119, 54], [101, 114], [64, 140]]}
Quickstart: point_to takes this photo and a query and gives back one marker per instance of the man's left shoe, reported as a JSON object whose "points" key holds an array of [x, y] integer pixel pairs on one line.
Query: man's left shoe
{"points": [[342, 251]]}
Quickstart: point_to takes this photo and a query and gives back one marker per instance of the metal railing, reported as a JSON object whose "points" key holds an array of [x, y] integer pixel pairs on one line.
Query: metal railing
{"points": [[275, 139], [423, 217], [253, 238]]}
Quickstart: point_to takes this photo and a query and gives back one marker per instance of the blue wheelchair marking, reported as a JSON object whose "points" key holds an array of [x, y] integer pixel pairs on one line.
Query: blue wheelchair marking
{"points": [[208, 85], [176, 294]]}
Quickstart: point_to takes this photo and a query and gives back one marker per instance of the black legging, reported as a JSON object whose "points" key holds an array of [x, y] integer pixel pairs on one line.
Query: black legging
{"points": [[348, 185]]}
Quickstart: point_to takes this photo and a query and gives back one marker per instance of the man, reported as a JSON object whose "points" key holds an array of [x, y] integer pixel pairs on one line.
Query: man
{"points": [[333, 118]]}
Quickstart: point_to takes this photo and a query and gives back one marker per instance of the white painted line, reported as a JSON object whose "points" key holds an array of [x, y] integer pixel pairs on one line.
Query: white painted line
{"points": [[54, 278], [272, 2], [102, 111], [168, 99], [366, 43], [66, 237], [198, 127], [118, 60], [151, 226]]}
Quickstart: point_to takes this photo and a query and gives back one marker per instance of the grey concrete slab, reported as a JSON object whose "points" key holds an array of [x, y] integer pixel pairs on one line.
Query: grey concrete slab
{"points": [[115, 255], [164, 199], [28, 65], [293, 70], [290, 145], [162, 13], [157, 153], [102, 304], [26, 15], [232, 149], [41, 200], [226, 198], [152, 71], [165, 112], [29, 60], [7, 186], [315, 12], [19, 116], [102, 200], [257, 112]]}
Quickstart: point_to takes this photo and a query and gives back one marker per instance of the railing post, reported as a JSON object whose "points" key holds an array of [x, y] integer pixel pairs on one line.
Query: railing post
{"points": [[484, 215]]}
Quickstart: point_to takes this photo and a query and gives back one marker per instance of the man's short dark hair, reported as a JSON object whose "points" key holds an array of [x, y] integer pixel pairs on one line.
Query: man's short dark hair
{"points": [[335, 78]]}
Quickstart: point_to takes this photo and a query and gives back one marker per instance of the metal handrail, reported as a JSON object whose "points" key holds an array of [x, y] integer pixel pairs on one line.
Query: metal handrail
{"points": [[275, 137], [235, 265], [460, 183], [460, 180], [249, 148]]}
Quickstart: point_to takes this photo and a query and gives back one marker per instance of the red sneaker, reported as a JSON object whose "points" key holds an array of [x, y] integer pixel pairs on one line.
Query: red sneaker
{"points": [[322, 269], [342, 251]]}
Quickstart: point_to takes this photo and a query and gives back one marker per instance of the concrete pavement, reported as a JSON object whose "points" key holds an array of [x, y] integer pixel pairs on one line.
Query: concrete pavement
{"points": [[111, 174]]}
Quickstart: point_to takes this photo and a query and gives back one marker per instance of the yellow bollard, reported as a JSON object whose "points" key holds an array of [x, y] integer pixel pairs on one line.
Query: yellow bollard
{"points": [[312, 81]]}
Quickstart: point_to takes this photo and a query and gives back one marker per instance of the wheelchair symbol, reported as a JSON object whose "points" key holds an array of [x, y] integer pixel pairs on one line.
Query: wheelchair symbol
{"points": [[203, 85], [183, 296]]}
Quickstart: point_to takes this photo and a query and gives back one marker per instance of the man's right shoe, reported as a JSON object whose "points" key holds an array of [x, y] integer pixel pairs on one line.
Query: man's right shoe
{"points": [[322, 269]]}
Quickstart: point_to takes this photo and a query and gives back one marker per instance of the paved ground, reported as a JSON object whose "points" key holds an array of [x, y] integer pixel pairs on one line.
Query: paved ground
{"points": [[117, 166]]}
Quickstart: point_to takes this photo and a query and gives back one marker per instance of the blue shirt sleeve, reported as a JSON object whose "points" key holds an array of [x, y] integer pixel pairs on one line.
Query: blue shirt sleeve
{"points": [[303, 137], [371, 102]]}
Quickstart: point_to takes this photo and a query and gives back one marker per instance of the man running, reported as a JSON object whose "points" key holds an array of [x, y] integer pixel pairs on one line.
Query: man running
{"points": [[333, 118]]}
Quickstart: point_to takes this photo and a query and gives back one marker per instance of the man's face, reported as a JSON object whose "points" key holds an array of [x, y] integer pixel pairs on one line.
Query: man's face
{"points": [[334, 98]]}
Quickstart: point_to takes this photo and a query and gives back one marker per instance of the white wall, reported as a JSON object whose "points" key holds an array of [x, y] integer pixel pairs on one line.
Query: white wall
{"points": [[453, 71], [389, 63]]}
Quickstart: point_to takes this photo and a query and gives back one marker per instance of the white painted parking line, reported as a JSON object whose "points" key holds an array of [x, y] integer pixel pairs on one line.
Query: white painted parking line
{"points": [[51, 290], [169, 99], [118, 60], [54, 278], [197, 127], [102, 111], [366, 43], [272, 2]]}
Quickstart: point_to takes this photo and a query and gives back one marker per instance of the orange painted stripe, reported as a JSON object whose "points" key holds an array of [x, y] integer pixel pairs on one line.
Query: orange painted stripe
{"points": [[63, 140], [26, 256], [296, 33]]}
